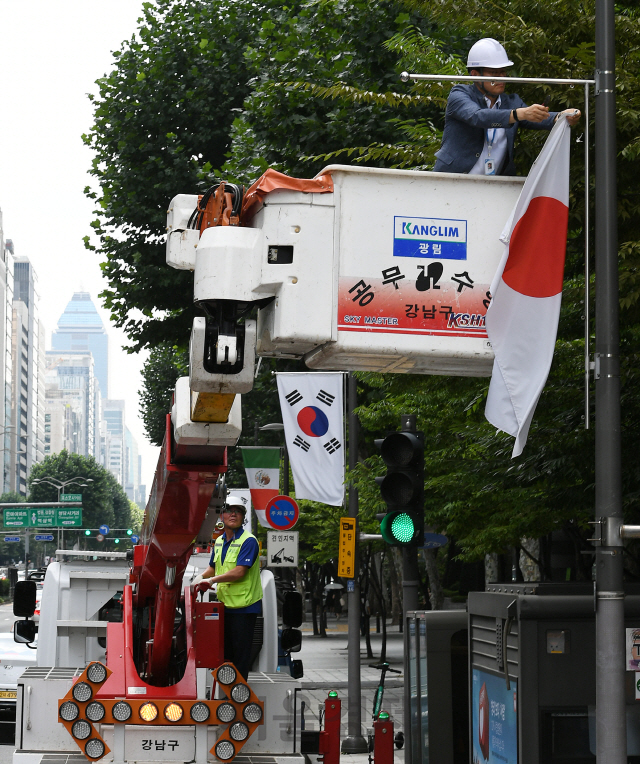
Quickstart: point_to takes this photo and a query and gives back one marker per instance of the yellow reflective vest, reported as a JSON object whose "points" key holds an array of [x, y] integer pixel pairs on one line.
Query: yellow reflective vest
{"points": [[241, 593]]}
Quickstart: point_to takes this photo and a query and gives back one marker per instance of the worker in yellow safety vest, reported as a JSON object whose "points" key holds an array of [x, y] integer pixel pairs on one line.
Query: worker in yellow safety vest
{"points": [[235, 569]]}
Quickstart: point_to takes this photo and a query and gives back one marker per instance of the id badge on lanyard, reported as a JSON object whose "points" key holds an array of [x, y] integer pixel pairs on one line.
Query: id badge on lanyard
{"points": [[489, 164]]}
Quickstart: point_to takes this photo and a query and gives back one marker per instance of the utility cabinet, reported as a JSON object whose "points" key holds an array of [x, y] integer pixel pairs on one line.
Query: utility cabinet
{"points": [[532, 690]]}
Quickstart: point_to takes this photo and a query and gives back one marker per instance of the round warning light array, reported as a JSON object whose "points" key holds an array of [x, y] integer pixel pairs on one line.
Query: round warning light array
{"points": [[78, 711], [242, 712]]}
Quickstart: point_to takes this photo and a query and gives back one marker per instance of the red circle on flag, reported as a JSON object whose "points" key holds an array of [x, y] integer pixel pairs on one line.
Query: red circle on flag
{"points": [[282, 513], [535, 266]]}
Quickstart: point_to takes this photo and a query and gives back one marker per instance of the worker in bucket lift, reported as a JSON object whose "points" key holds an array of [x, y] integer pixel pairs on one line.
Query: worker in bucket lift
{"points": [[235, 569], [481, 120]]}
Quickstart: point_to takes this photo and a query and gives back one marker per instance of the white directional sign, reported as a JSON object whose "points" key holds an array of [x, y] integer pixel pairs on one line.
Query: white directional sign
{"points": [[282, 549]]}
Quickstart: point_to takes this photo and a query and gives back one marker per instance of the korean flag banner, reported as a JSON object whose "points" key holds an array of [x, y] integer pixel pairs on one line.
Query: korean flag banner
{"points": [[312, 414]]}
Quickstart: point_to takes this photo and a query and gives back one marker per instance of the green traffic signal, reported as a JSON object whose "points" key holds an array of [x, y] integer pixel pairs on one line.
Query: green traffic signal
{"points": [[87, 533], [402, 488], [401, 528], [116, 541], [129, 532]]}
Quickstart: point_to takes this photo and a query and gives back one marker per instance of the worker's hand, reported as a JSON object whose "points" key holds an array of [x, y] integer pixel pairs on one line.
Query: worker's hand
{"points": [[572, 115], [534, 113], [202, 586], [197, 579]]}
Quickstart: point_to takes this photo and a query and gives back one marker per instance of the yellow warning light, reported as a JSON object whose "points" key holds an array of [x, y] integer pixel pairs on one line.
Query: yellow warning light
{"points": [[173, 712], [148, 712]]}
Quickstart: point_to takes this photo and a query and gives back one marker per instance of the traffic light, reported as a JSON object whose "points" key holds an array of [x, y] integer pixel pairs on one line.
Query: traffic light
{"points": [[87, 532], [116, 541], [129, 531], [402, 488]]}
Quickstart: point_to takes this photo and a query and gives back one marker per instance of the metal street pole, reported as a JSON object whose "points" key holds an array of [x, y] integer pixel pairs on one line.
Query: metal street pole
{"points": [[354, 742], [611, 738], [285, 467], [410, 582]]}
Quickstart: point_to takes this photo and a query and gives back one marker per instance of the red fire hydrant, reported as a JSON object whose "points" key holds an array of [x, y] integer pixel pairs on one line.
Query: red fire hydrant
{"points": [[383, 739], [330, 736]]}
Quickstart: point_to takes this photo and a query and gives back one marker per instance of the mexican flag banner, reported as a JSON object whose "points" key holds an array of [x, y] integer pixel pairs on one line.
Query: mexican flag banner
{"points": [[262, 465]]}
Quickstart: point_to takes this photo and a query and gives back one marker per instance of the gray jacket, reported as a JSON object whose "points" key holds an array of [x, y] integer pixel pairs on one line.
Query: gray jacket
{"points": [[466, 119]]}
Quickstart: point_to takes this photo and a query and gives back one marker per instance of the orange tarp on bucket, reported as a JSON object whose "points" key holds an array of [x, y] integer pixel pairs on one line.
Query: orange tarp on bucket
{"points": [[273, 180]]}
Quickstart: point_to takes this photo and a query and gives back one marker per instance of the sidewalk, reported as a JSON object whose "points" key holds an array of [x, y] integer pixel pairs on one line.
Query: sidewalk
{"points": [[325, 661]]}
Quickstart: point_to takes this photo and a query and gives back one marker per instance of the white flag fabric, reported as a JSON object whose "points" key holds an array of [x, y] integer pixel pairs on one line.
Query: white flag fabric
{"points": [[312, 414], [522, 319]]}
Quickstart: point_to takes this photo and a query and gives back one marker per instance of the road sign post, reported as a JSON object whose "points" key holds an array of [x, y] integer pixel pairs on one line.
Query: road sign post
{"points": [[282, 513], [282, 549]]}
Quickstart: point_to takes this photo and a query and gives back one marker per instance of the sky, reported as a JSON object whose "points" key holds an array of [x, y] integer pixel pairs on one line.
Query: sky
{"points": [[52, 54]]}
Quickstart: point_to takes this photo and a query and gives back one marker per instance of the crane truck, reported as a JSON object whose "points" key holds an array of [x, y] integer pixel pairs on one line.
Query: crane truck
{"points": [[358, 268]]}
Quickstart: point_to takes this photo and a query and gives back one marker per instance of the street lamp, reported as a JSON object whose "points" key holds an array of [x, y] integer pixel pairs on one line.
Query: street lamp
{"points": [[60, 485], [279, 427]]}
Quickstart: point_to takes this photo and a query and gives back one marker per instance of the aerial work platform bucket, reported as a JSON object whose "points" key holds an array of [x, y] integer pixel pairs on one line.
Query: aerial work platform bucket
{"points": [[388, 272]]}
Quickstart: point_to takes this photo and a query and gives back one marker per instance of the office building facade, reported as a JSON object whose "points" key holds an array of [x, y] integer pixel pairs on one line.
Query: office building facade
{"points": [[80, 328], [71, 405], [28, 377]]}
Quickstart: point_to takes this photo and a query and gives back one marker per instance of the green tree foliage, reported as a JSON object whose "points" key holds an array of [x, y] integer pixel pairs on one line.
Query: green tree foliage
{"points": [[104, 502], [137, 517], [163, 123], [335, 44], [166, 363], [162, 118]]}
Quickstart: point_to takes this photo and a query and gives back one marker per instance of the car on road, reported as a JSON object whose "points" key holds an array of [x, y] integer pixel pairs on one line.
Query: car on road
{"points": [[14, 659]]}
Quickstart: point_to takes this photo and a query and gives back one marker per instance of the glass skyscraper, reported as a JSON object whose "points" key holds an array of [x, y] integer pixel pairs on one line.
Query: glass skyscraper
{"points": [[81, 328]]}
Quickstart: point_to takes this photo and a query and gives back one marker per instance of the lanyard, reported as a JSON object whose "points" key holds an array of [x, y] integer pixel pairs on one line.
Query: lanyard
{"points": [[490, 142]]}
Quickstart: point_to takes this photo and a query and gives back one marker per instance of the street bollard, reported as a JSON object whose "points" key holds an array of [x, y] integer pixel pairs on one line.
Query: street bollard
{"points": [[330, 736], [383, 740]]}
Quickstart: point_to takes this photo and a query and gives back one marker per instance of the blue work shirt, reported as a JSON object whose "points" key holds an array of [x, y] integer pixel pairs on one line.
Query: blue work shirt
{"points": [[247, 555]]}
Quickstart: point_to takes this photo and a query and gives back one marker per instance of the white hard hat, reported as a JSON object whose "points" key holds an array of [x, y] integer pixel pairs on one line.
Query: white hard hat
{"points": [[236, 501], [487, 53]]}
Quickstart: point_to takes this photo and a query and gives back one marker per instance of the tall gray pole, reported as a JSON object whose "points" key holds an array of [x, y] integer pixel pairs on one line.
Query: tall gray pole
{"points": [[611, 740], [354, 742]]}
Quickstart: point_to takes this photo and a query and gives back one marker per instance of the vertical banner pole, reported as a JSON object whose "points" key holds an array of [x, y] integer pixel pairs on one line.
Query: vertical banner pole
{"points": [[354, 742], [611, 739]]}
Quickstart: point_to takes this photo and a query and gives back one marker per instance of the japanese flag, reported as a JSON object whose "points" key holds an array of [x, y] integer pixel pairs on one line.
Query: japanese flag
{"points": [[312, 414], [522, 319]]}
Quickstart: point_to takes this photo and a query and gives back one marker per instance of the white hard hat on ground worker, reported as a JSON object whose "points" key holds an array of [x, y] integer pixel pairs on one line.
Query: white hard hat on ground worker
{"points": [[235, 501], [487, 53]]}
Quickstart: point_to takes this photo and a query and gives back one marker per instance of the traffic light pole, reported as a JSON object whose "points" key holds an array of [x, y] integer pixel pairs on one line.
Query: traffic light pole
{"points": [[354, 742], [611, 738]]}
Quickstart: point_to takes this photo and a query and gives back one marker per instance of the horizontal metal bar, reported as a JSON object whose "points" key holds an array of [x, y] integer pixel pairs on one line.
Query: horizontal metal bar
{"points": [[370, 537], [90, 553], [405, 77], [630, 531]]}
